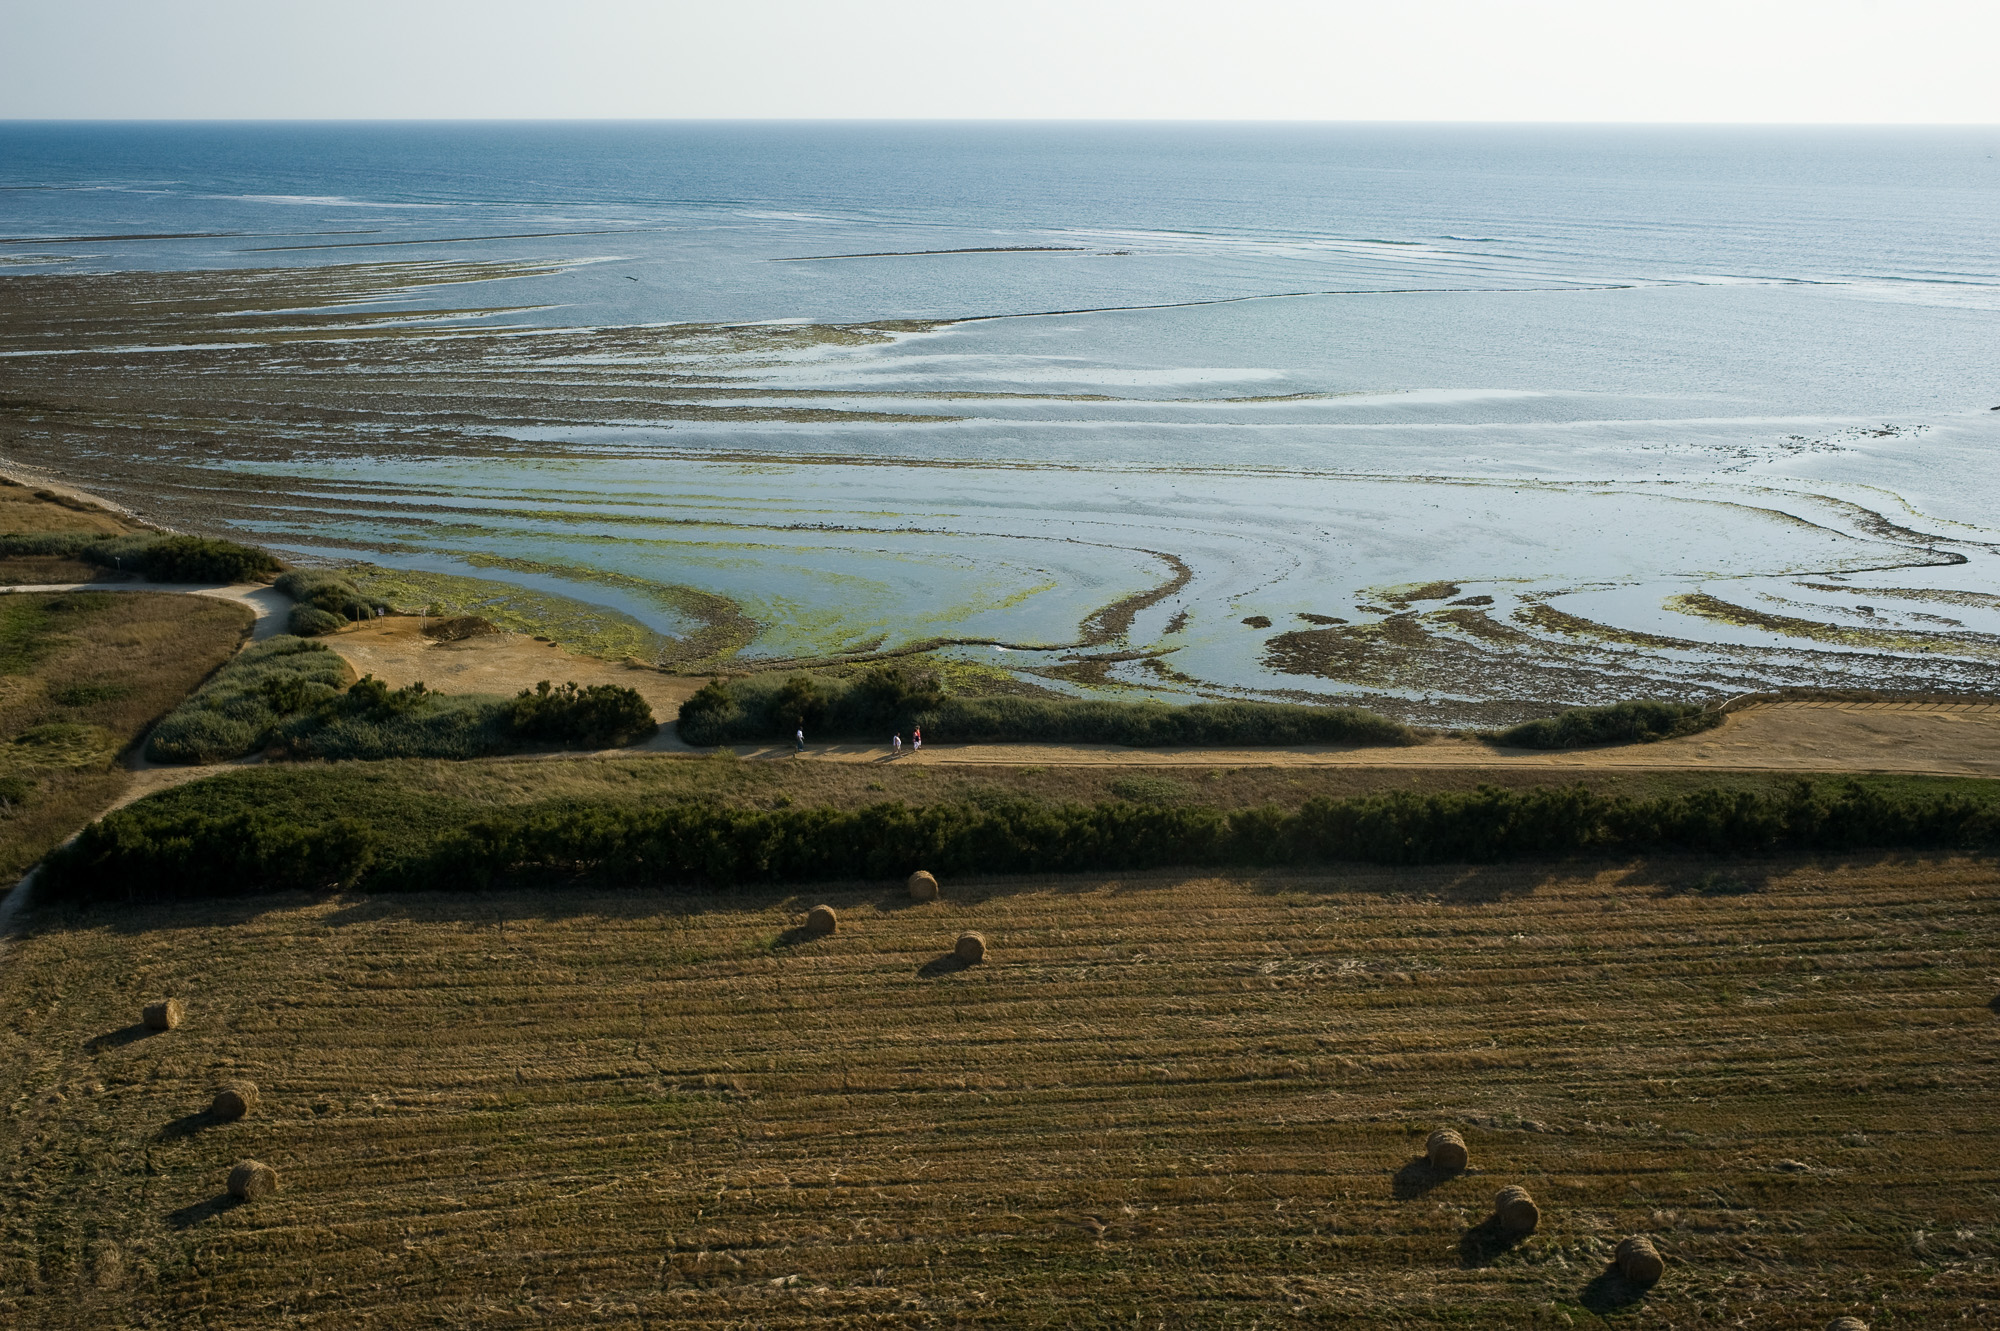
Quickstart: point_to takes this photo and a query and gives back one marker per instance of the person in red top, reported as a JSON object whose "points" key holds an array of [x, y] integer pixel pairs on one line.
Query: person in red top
{"points": [[917, 738]]}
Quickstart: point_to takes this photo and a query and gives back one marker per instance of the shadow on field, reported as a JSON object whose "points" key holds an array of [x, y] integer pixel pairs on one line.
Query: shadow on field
{"points": [[119, 1038], [796, 936], [138, 915], [1611, 1291], [187, 1125], [948, 964], [1737, 881], [560, 899], [1419, 1177], [190, 1216], [1486, 1241]]}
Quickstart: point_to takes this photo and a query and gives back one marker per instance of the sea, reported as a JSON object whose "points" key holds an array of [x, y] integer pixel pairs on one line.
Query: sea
{"points": [[1398, 413]]}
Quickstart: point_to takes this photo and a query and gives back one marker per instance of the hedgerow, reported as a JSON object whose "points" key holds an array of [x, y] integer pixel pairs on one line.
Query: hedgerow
{"points": [[886, 699], [1620, 723], [154, 557], [152, 849]]}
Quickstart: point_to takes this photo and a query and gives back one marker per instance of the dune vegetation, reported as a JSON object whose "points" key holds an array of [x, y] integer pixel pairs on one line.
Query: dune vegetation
{"points": [[1642, 722], [879, 700], [292, 697]]}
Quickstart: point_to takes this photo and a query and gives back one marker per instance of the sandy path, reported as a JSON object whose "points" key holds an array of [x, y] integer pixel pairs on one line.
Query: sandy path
{"points": [[266, 603]]}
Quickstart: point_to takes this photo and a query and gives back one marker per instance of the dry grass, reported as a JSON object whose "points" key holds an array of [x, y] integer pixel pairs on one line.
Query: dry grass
{"points": [[26, 509], [82, 675], [1167, 1100]]}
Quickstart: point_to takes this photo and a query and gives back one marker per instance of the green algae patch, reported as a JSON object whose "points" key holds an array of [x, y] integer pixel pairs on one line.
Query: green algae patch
{"points": [[725, 630], [1422, 591], [1547, 618], [578, 626]]}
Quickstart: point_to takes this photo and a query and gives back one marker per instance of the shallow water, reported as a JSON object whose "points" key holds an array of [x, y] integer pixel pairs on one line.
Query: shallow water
{"points": [[1610, 379]]}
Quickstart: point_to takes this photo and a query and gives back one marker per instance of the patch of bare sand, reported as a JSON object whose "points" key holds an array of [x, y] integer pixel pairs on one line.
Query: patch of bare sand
{"points": [[395, 651]]}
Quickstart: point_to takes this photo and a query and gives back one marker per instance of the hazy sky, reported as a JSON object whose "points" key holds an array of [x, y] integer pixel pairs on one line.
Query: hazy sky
{"points": [[1618, 60]]}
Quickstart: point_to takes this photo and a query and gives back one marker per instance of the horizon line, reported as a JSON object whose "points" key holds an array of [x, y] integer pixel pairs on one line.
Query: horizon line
{"points": [[983, 120]]}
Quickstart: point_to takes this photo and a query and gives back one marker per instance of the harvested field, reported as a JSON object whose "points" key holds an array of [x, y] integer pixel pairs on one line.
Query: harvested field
{"points": [[1165, 1100]]}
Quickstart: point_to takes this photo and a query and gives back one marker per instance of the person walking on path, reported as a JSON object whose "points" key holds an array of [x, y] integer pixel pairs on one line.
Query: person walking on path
{"points": [[917, 740], [802, 739], [896, 745]]}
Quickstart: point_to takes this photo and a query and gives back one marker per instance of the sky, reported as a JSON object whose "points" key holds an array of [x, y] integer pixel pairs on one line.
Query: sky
{"points": [[1749, 61]]}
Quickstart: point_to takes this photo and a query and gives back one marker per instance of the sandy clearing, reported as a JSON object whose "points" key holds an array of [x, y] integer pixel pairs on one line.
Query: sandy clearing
{"points": [[397, 653]]}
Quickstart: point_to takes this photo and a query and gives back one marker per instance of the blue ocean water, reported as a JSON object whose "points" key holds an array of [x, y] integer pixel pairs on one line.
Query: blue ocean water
{"points": [[1610, 366]]}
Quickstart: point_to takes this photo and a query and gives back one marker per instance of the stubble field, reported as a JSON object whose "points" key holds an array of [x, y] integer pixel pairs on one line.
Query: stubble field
{"points": [[1164, 1100]]}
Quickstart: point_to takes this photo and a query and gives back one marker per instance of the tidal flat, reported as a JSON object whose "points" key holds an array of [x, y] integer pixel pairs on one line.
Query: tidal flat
{"points": [[725, 498], [1203, 429]]}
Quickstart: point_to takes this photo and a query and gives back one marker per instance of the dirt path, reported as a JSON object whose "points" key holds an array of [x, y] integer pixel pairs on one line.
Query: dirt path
{"points": [[267, 603]]}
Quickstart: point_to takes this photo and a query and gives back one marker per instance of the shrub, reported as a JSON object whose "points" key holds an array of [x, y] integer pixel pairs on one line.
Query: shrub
{"points": [[285, 694], [890, 698], [407, 723], [155, 557], [601, 714], [697, 843], [200, 559], [327, 600], [136, 854], [309, 621], [1621, 723], [241, 709]]}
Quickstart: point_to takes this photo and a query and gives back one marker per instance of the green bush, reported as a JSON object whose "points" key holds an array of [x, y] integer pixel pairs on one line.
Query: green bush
{"points": [[244, 707], [377, 722], [327, 600], [884, 699], [143, 858], [309, 621], [1621, 723], [154, 557], [155, 846], [285, 694], [199, 559], [600, 715]]}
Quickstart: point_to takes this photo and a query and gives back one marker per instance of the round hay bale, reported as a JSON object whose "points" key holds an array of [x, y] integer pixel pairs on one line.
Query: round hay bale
{"points": [[1847, 1324], [970, 947], [923, 887], [1515, 1209], [1446, 1151], [822, 920], [250, 1180], [1639, 1261], [234, 1100], [163, 1015]]}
